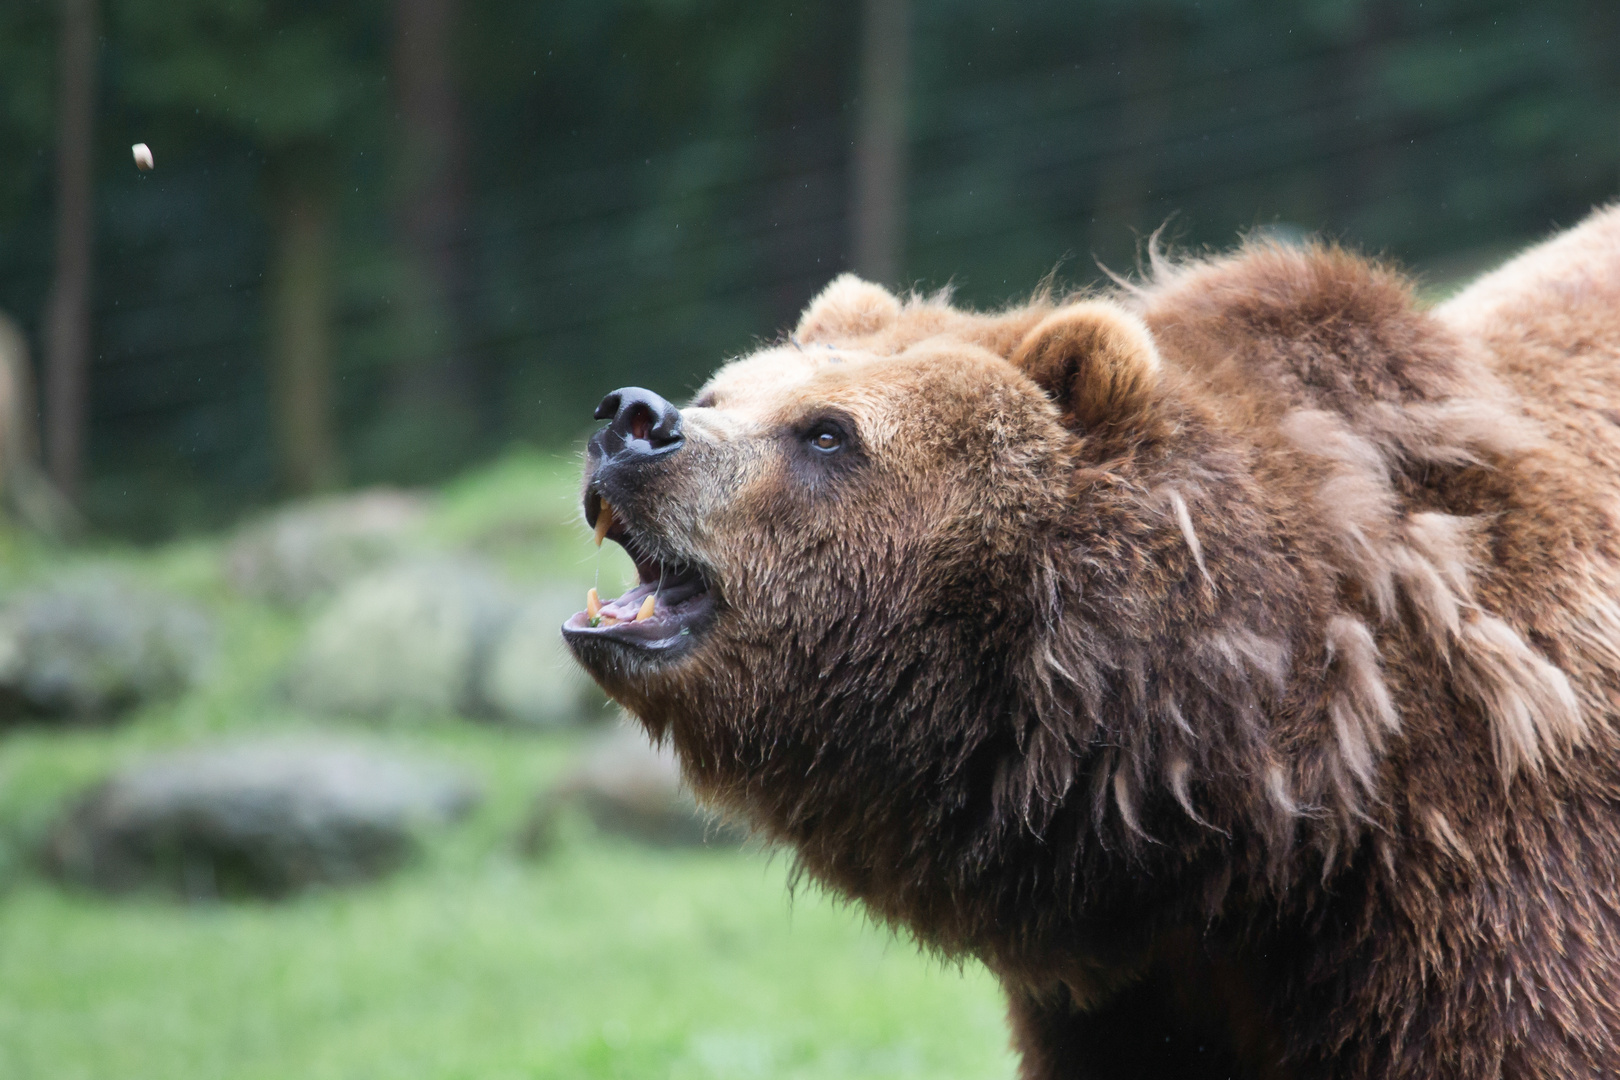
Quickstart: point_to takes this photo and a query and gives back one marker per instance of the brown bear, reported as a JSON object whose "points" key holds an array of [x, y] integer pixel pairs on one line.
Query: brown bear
{"points": [[1230, 661]]}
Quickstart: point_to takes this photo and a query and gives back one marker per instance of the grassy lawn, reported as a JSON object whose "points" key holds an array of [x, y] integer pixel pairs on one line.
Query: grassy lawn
{"points": [[602, 959]]}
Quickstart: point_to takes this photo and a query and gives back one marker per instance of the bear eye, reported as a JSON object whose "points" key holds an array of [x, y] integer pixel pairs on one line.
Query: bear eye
{"points": [[826, 440], [827, 445]]}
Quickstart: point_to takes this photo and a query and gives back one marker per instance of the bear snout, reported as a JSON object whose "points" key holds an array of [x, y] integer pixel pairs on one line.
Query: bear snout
{"points": [[622, 459], [641, 425]]}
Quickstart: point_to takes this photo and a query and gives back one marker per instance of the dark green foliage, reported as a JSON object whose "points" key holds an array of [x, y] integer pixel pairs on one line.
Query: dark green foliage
{"points": [[656, 183]]}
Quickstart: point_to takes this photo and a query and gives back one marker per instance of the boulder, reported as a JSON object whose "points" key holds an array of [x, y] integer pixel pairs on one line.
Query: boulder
{"points": [[252, 819], [308, 550], [89, 646], [628, 787], [531, 678], [415, 637]]}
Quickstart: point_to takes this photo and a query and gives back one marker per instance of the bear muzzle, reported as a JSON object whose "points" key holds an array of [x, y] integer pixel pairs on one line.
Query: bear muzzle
{"points": [[642, 427], [662, 614]]}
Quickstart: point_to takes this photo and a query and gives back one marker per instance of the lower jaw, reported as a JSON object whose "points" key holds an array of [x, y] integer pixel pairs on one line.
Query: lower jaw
{"points": [[641, 644], [632, 676], [627, 637]]}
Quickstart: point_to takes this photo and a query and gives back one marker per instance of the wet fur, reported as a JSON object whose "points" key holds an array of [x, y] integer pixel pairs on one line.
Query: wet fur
{"points": [[1256, 718]]}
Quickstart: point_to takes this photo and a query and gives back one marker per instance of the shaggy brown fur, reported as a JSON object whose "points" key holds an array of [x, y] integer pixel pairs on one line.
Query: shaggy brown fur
{"points": [[1231, 664]]}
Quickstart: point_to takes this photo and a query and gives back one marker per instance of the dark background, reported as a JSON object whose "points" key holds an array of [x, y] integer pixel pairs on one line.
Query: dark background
{"points": [[386, 240]]}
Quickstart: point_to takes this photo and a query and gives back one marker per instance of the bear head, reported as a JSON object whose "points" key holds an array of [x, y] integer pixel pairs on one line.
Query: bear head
{"points": [[856, 549]]}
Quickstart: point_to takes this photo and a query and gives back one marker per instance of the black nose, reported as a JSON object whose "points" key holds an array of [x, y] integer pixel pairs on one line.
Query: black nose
{"points": [[641, 424]]}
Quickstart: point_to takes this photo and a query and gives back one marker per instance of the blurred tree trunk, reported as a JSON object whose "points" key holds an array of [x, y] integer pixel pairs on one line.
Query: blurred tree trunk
{"points": [[1602, 18], [1353, 135], [67, 317], [301, 336], [438, 383], [24, 489], [805, 199], [879, 167], [1126, 175]]}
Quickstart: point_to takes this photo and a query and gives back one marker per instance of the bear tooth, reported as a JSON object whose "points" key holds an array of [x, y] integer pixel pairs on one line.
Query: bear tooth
{"points": [[604, 522], [646, 611], [593, 604]]}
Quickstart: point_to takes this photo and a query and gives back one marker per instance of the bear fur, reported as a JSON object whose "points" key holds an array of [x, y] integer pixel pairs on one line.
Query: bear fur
{"points": [[1231, 663]]}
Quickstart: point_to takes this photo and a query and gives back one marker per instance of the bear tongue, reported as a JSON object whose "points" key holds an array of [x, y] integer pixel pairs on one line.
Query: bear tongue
{"points": [[627, 608]]}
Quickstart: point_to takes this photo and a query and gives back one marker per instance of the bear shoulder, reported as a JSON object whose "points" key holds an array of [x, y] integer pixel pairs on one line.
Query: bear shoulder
{"points": [[1312, 326]]}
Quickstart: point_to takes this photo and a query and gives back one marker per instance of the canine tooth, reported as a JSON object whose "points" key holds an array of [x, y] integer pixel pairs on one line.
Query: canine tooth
{"points": [[604, 522], [646, 611], [593, 604]]}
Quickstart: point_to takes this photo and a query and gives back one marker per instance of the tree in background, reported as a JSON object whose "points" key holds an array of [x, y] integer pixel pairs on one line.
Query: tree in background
{"points": [[67, 319], [438, 383], [878, 170], [300, 303], [298, 80]]}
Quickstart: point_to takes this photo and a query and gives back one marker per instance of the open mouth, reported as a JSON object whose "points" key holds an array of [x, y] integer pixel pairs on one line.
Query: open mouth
{"points": [[665, 610]]}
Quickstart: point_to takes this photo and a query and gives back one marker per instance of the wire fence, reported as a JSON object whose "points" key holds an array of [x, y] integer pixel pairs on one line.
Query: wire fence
{"points": [[594, 261]]}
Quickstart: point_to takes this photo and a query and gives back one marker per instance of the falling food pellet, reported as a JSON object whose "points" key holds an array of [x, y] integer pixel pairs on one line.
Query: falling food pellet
{"points": [[143, 156], [604, 522], [646, 611]]}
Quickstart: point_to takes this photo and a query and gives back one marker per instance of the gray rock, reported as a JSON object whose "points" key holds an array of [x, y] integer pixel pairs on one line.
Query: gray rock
{"points": [[411, 638], [94, 644], [308, 550], [531, 678], [629, 787], [252, 819]]}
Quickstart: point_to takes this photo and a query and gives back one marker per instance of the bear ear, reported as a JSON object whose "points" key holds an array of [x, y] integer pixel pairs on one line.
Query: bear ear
{"points": [[1096, 360], [848, 308]]}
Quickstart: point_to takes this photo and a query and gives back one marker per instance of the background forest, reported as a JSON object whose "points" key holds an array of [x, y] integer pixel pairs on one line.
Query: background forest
{"points": [[386, 239], [295, 777]]}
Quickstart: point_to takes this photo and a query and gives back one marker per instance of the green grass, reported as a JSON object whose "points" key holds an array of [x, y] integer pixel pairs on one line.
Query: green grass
{"points": [[600, 960], [607, 962]]}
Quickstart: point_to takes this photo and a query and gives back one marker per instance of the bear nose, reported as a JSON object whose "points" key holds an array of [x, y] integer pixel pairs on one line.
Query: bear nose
{"points": [[640, 424]]}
